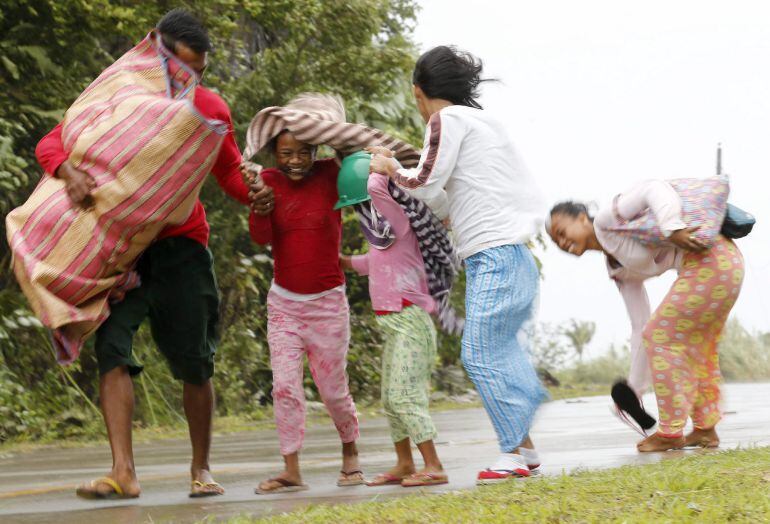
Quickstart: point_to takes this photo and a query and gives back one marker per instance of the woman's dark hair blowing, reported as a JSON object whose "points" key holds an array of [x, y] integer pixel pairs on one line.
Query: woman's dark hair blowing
{"points": [[179, 25], [449, 74]]}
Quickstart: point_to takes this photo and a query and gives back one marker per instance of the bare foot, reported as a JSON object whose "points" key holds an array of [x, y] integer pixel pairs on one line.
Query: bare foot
{"points": [[658, 442], [704, 438], [401, 470], [271, 485], [430, 470]]}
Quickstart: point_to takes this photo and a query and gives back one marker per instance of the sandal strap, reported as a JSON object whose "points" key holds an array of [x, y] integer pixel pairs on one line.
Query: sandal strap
{"points": [[283, 482], [388, 476], [427, 476], [349, 473], [110, 482], [199, 484]]}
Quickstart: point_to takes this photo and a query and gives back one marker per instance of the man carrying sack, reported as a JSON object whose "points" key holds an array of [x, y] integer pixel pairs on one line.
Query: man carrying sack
{"points": [[117, 233]]}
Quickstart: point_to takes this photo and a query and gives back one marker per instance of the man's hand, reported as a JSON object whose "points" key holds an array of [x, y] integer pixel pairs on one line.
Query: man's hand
{"points": [[685, 239], [383, 165], [78, 184], [260, 194]]}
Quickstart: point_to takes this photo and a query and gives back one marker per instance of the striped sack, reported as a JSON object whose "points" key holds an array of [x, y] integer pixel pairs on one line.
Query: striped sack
{"points": [[704, 204], [136, 132]]}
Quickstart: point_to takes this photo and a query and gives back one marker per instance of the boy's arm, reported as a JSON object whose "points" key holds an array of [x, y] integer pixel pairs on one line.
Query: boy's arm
{"points": [[260, 228], [260, 218]]}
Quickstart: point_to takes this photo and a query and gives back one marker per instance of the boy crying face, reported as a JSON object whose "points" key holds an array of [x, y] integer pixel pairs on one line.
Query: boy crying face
{"points": [[294, 158]]}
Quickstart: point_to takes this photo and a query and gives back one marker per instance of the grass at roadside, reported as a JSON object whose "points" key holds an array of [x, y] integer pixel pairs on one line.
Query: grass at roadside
{"points": [[724, 486]]}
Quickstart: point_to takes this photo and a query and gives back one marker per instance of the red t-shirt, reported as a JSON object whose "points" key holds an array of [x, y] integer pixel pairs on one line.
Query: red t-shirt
{"points": [[304, 229], [50, 154]]}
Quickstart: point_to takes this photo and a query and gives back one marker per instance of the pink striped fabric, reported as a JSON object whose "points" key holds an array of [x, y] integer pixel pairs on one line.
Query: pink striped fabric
{"points": [[136, 132]]}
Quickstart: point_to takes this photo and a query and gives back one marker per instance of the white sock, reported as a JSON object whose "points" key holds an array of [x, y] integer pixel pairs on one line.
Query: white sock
{"points": [[530, 456], [509, 462]]}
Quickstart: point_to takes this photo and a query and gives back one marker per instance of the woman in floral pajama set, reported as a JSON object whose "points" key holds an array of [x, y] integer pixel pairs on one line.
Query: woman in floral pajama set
{"points": [[675, 349]]}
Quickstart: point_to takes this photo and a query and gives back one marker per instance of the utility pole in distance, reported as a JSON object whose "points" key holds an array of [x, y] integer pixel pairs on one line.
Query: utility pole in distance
{"points": [[719, 158]]}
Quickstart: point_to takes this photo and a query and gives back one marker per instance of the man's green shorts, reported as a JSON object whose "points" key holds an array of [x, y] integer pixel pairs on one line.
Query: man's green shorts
{"points": [[179, 295]]}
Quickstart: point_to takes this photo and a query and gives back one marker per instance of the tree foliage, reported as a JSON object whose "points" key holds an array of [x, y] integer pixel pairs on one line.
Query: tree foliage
{"points": [[265, 52], [580, 333]]}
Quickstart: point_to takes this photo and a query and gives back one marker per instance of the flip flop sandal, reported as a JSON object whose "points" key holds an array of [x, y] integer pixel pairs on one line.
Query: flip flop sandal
{"points": [[425, 479], [89, 491], [200, 489], [629, 403], [344, 481], [285, 486], [384, 479]]}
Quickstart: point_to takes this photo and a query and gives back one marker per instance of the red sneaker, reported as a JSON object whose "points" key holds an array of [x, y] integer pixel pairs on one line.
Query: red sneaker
{"points": [[495, 476], [508, 466]]}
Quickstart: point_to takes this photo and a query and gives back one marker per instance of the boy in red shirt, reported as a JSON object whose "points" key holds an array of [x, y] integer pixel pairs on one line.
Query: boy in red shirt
{"points": [[308, 311]]}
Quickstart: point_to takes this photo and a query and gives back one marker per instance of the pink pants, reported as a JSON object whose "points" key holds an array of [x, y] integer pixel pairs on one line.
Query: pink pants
{"points": [[682, 337], [319, 328]]}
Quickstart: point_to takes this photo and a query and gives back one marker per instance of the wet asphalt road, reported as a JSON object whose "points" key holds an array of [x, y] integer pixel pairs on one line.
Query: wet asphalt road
{"points": [[581, 433]]}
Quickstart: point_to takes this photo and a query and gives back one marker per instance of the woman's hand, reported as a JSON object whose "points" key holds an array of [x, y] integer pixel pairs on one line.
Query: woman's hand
{"points": [[379, 150], [346, 262], [685, 239], [383, 165]]}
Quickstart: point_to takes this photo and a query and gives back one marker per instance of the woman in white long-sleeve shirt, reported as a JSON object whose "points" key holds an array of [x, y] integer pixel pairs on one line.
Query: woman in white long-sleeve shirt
{"points": [[471, 174], [674, 349]]}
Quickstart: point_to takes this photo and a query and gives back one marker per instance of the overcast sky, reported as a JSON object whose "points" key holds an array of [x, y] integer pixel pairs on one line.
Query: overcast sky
{"points": [[600, 94]]}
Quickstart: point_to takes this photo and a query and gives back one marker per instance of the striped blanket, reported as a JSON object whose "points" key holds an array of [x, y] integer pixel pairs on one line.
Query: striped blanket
{"points": [[438, 254], [136, 132], [319, 119]]}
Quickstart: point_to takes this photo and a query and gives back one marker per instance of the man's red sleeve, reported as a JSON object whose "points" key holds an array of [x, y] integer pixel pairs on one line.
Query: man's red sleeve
{"points": [[50, 151], [260, 228], [227, 165]]}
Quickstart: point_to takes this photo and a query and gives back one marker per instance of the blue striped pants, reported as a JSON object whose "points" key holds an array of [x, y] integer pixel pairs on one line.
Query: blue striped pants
{"points": [[501, 287]]}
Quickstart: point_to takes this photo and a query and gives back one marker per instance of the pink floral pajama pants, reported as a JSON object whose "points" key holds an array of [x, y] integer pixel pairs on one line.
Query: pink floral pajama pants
{"points": [[683, 334], [320, 329]]}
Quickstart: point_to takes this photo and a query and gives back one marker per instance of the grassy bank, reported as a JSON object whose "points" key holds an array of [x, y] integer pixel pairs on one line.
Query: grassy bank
{"points": [[730, 486]]}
